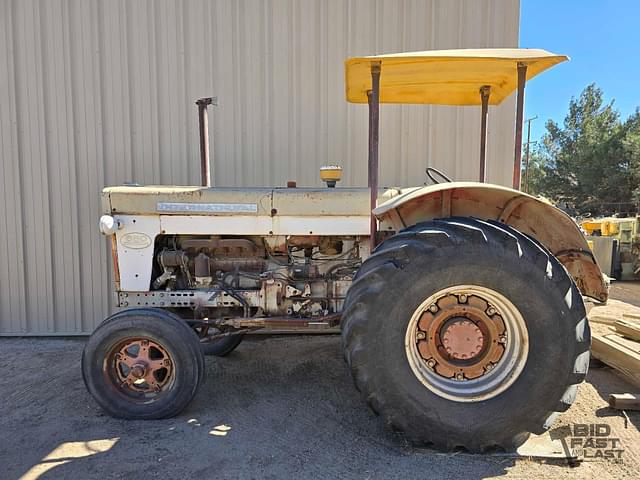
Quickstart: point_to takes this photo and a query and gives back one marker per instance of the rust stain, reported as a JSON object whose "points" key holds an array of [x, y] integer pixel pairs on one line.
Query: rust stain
{"points": [[114, 258]]}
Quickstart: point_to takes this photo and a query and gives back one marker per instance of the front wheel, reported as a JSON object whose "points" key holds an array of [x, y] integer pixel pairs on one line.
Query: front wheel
{"points": [[465, 333], [143, 364]]}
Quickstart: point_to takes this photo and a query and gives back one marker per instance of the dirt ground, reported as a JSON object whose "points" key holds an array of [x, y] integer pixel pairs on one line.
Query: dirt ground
{"points": [[626, 292], [280, 407]]}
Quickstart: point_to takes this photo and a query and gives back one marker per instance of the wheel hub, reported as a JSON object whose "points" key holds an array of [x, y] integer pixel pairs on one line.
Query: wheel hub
{"points": [[460, 336], [138, 370], [462, 339]]}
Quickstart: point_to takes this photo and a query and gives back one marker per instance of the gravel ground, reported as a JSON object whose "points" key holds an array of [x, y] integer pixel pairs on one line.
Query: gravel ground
{"points": [[281, 407]]}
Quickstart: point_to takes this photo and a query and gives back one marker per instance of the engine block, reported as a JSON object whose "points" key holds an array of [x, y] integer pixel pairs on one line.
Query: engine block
{"points": [[226, 277]]}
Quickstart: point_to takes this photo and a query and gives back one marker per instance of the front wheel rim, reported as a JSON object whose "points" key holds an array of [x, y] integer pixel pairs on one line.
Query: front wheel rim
{"points": [[467, 343], [139, 368]]}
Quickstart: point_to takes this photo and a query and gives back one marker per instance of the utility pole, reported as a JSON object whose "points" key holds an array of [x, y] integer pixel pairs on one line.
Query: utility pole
{"points": [[526, 158]]}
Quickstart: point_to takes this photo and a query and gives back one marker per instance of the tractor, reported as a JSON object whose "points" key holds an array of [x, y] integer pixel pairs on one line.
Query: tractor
{"points": [[460, 304]]}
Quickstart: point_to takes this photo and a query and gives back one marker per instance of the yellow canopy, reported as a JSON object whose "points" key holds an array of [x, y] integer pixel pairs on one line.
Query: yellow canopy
{"points": [[445, 77]]}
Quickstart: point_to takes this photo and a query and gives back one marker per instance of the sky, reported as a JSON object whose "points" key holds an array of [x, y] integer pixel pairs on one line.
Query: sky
{"points": [[602, 38]]}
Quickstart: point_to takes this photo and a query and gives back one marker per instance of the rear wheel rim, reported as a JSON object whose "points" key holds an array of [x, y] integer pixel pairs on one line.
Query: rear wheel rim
{"points": [[467, 343]]}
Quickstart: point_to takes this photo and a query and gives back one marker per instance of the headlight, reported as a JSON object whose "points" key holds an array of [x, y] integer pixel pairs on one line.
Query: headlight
{"points": [[108, 225]]}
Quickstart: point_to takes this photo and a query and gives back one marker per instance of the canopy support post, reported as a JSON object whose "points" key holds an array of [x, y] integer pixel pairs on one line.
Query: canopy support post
{"points": [[485, 91], [517, 157], [374, 123]]}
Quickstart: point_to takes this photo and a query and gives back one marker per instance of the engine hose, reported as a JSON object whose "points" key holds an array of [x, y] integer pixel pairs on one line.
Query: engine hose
{"points": [[232, 293], [352, 265]]}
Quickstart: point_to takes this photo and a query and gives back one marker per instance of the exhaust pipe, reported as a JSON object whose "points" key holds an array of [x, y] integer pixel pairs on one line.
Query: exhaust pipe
{"points": [[203, 121]]}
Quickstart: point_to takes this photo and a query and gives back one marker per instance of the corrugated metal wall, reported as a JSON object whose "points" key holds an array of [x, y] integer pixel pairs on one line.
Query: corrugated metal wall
{"points": [[95, 93]]}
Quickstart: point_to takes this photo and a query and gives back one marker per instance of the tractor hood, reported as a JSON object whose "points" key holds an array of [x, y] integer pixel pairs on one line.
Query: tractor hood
{"points": [[176, 200]]}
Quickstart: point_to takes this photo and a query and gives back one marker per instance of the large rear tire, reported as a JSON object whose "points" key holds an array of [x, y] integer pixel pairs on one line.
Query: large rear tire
{"points": [[465, 333], [143, 364]]}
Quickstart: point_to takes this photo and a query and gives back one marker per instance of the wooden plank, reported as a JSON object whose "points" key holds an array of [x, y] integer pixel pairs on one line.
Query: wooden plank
{"points": [[624, 401], [634, 317], [620, 353], [628, 329], [602, 318]]}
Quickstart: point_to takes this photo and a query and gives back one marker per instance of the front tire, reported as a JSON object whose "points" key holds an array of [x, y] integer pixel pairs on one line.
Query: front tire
{"points": [[143, 364], [465, 333]]}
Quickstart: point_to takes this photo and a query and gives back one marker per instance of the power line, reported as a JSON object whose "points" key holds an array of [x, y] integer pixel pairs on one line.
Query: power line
{"points": [[526, 158]]}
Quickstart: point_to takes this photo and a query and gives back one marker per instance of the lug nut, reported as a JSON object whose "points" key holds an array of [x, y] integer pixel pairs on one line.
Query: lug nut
{"points": [[433, 308], [463, 298], [491, 311], [420, 335], [502, 339], [489, 367], [431, 363], [460, 376]]}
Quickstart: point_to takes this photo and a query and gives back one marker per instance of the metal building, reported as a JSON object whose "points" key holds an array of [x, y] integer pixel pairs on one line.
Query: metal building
{"points": [[96, 93]]}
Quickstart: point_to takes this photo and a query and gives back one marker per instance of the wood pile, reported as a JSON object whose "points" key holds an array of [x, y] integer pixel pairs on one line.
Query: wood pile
{"points": [[617, 343]]}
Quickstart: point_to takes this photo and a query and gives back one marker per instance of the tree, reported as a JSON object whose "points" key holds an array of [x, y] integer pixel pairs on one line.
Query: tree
{"points": [[631, 146], [533, 176], [592, 162]]}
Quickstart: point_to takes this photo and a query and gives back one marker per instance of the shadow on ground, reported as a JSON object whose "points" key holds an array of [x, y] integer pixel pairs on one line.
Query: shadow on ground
{"points": [[606, 381]]}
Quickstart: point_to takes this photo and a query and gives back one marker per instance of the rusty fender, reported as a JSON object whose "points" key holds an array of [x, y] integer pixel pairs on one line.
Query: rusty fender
{"points": [[533, 216]]}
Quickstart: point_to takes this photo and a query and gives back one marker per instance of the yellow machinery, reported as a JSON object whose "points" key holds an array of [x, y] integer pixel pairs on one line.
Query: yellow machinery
{"points": [[625, 262]]}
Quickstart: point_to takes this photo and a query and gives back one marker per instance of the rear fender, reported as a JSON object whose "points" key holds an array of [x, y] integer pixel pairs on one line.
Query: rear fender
{"points": [[549, 225]]}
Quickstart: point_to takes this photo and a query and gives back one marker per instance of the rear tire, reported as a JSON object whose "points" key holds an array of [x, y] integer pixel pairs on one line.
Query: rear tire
{"points": [[223, 346], [143, 364], [451, 255]]}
